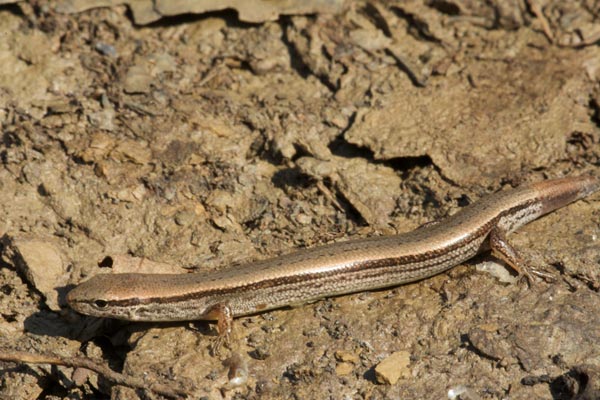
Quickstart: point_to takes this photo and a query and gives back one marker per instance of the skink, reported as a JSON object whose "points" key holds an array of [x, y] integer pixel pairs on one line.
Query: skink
{"points": [[331, 270]]}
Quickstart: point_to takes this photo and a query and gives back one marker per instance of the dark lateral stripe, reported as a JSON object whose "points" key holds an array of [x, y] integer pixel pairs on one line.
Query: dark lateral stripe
{"points": [[370, 265]]}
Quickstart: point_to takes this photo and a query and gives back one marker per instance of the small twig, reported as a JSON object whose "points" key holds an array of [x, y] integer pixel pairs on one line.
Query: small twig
{"points": [[419, 80], [537, 11], [81, 362], [330, 196]]}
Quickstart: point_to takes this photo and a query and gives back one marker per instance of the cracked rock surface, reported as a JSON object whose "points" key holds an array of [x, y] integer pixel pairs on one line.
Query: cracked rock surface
{"points": [[203, 141]]}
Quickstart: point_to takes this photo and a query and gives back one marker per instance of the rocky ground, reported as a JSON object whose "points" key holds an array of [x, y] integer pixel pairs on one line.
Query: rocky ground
{"points": [[192, 140]]}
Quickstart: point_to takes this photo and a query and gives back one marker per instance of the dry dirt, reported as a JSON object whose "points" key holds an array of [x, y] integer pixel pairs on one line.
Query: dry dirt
{"points": [[202, 141]]}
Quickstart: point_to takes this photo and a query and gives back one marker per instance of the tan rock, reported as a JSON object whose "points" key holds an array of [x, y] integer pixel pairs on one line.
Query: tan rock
{"points": [[343, 369], [40, 262], [393, 368]]}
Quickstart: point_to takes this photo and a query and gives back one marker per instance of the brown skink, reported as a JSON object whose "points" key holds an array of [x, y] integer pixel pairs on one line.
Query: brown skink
{"points": [[331, 270]]}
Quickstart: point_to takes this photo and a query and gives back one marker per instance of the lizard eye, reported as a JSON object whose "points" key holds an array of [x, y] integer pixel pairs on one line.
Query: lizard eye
{"points": [[101, 303]]}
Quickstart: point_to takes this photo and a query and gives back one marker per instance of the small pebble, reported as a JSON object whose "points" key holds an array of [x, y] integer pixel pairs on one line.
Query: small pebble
{"points": [[394, 367]]}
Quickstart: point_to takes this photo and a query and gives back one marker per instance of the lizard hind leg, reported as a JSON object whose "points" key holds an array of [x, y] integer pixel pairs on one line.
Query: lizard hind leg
{"points": [[503, 250]]}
